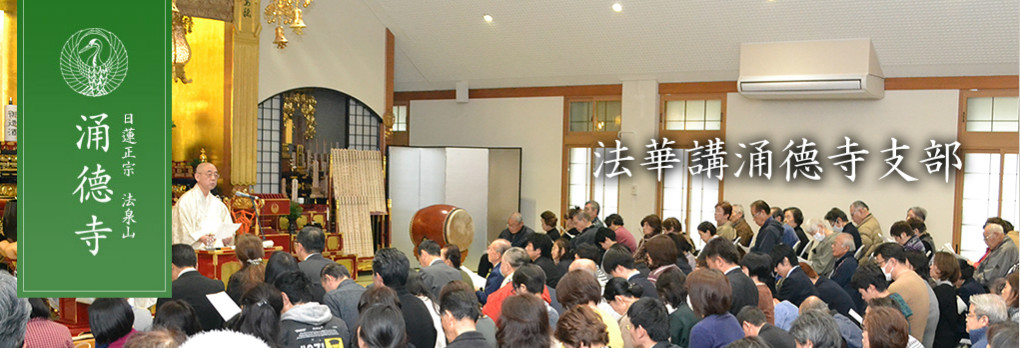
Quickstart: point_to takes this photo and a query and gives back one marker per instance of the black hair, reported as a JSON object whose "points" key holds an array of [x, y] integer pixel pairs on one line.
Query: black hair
{"points": [[461, 305], [590, 251], [759, 264], [429, 246], [919, 262], [900, 228], [177, 315], [752, 315], [722, 248], [835, 213], [707, 227], [110, 319], [334, 270], [652, 316], [280, 262], [869, 273], [602, 234], [619, 286], [671, 286], [183, 255], [260, 313], [531, 276], [378, 295], [296, 286], [382, 326], [966, 270], [542, 243], [392, 266], [891, 251], [617, 255], [312, 239], [614, 219], [777, 213], [749, 342], [417, 286], [453, 254], [40, 309], [798, 216], [783, 251]]}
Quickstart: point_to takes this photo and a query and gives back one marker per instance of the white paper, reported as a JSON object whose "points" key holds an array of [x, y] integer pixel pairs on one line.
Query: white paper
{"points": [[856, 316], [218, 231], [224, 305], [476, 280]]}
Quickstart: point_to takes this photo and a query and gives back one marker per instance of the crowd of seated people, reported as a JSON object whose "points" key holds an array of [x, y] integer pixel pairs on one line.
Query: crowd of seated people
{"points": [[823, 282]]}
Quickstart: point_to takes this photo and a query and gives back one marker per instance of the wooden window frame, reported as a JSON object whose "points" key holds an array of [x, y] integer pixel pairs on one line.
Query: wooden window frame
{"points": [[1002, 143], [402, 138], [581, 139]]}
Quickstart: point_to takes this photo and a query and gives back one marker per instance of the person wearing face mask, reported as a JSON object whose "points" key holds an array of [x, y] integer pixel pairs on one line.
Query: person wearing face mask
{"points": [[841, 224], [906, 283], [820, 250]]}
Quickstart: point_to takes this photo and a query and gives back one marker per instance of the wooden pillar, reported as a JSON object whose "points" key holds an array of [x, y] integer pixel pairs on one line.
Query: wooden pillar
{"points": [[245, 84]]}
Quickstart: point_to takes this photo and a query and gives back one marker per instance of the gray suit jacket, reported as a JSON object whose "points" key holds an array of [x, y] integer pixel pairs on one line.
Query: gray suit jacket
{"points": [[437, 275], [311, 267], [343, 302]]}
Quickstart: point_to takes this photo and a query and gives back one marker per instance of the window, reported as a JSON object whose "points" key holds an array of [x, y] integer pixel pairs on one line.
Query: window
{"points": [[584, 186], [268, 169], [595, 116], [689, 198], [989, 189], [693, 114], [362, 127], [400, 118], [987, 186]]}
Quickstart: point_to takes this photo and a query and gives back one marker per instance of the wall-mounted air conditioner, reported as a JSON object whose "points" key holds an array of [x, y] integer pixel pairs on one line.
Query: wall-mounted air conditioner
{"points": [[836, 69]]}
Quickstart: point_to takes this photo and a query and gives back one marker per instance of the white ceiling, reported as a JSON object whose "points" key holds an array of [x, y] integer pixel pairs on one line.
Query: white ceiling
{"points": [[574, 42]]}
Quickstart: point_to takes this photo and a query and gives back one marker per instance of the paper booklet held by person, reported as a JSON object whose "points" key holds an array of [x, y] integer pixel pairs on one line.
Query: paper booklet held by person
{"points": [[218, 231], [224, 305]]}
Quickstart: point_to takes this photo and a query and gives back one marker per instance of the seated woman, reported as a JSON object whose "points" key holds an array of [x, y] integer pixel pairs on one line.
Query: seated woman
{"points": [[945, 271], [620, 294], [179, 316], [581, 327], [260, 313], [110, 320], [885, 327], [280, 262], [523, 322], [381, 326], [711, 297], [662, 255], [673, 292], [249, 252], [580, 288], [1010, 295], [42, 332]]}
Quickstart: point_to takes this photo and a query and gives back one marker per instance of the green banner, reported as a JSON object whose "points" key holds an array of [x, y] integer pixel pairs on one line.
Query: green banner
{"points": [[93, 148]]}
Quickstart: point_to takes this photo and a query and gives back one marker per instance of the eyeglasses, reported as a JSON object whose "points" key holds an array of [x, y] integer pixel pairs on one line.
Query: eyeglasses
{"points": [[212, 174]]}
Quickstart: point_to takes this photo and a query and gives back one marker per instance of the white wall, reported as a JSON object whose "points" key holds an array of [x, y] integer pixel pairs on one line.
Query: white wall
{"points": [[343, 48], [533, 124], [913, 117]]}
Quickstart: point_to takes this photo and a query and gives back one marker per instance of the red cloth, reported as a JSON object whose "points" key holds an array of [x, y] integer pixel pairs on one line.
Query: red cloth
{"points": [[623, 236], [119, 343], [494, 306], [987, 251], [42, 333]]}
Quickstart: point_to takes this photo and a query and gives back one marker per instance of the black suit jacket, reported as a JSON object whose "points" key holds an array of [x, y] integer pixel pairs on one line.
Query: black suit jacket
{"points": [[776, 337], [648, 289], [745, 293], [834, 295], [552, 272], [312, 267], [420, 330], [852, 230], [796, 287], [191, 287]]}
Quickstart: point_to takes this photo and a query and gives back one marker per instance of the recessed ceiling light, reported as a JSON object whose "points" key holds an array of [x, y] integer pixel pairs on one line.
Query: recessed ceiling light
{"points": [[487, 18], [617, 7]]}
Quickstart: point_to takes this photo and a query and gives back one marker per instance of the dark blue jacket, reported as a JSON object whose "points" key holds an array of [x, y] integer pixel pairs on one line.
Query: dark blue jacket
{"points": [[796, 287], [492, 283], [768, 236]]}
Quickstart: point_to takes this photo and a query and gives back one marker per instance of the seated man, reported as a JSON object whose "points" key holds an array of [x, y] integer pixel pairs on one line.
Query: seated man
{"points": [[871, 284], [494, 280], [308, 246], [342, 294], [199, 211], [795, 285], [848, 329], [618, 262], [649, 324], [191, 287], [1001, 256], [434, 271], [304, 322], [753, 321], [516, 233], [816, 329], [513, 259], [721, 255], [390, 268], [529, 279], [458, 311], [539, 249]]}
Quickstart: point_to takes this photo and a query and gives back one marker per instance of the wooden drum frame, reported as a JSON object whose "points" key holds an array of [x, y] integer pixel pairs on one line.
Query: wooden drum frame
{"points": [[443, 224]]}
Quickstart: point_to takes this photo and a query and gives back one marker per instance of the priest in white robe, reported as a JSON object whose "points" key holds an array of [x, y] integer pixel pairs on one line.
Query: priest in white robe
{"points": [[199, 213]]}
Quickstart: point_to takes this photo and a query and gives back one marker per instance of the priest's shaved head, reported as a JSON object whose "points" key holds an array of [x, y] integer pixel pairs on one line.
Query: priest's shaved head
{"points": [[206, 176]]}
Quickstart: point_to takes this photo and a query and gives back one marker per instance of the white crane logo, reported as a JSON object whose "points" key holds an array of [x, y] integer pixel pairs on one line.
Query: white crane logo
{"points": [[93, 62]]}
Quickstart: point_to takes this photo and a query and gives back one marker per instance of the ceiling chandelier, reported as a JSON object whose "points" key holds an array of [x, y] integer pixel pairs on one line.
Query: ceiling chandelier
{"points": [[286, 12]]}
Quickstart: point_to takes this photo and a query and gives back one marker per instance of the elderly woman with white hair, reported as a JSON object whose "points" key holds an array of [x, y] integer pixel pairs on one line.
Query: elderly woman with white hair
{"points": [[820, 252], [985, 310]]}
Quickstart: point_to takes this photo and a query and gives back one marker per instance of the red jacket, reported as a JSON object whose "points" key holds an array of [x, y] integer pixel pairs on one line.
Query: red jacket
{"points": [[494, 306]]}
